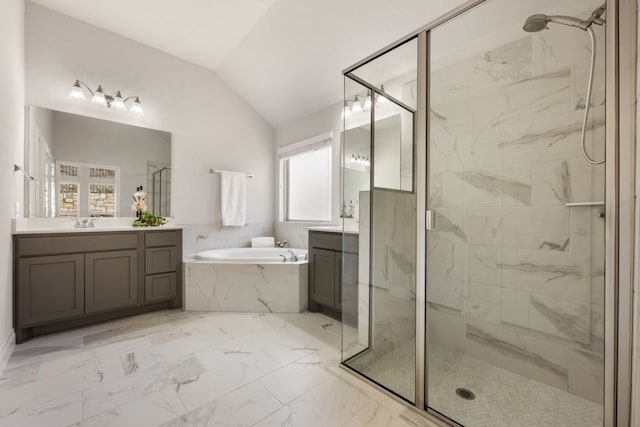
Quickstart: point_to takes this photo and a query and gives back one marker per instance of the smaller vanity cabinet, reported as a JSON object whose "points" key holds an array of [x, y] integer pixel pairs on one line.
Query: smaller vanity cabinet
{"points": [[65, 280], [326, 254]]}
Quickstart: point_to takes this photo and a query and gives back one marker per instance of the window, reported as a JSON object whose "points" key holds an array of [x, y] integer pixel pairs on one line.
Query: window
{"points": [[87, 190], [305, 180]]}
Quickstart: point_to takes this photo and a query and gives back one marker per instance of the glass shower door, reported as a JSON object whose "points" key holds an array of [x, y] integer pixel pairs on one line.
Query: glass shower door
{"points": [[515, 257], [378, 286]]}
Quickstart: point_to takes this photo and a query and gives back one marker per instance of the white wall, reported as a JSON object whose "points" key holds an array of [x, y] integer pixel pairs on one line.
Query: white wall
{"points": [[323, 121], [11, 152], [211, 126]]}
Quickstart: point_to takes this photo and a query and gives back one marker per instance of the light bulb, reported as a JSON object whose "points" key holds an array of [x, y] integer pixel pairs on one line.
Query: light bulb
{"points": [[77, 92], [367, 103], [346, 111], [99, 98], [118, 102], [356, 107], [137, 107], [381, 99]]}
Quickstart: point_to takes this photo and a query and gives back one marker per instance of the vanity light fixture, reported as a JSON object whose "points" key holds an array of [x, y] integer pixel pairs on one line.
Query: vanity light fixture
{"points": [[358, 106], [116, 101], [360, 160]]}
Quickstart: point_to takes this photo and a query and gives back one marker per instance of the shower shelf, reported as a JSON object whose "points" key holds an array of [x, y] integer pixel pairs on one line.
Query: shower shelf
{"points": [[577, 204]]}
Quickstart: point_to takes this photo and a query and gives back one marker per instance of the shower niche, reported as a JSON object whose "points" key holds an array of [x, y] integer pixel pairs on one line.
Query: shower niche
{"points": [[495, 314]]}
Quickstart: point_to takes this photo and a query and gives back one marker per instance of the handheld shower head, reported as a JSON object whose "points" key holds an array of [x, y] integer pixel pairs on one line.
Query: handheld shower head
{"points": [[538, 22], [535, 23]]}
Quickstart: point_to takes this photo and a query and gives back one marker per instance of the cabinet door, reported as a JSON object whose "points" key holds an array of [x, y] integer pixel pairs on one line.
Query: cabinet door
{"points": [[111, 280], [349, 288], [50, 288], [160, 287], [322, 267]]}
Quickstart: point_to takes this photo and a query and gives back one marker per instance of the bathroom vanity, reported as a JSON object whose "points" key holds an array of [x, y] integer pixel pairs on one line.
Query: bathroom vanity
{"points": [[328, 249], [75, 277]]}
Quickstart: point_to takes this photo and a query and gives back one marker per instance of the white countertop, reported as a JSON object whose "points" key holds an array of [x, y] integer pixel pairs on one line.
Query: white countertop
{"points": [[334, 229], [66, 225]]}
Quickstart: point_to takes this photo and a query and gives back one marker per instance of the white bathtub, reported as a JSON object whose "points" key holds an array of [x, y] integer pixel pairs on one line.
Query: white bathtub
{"points": [[251, 255], [247, 279]]}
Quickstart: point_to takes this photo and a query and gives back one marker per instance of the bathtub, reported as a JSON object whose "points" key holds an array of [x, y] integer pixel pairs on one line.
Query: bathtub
{"points": [[251, 255], [252, 280]]}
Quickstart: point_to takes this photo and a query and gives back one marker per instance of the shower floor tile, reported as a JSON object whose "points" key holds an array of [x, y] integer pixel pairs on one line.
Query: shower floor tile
{"points": [[502, 398]]}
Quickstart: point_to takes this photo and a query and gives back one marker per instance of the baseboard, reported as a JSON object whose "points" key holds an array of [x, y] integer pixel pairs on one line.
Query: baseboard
{"points": [[6, 349]]}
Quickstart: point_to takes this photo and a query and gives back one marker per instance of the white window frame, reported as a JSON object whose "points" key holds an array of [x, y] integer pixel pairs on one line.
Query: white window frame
{"points": [[322, 141], [84, 182]]}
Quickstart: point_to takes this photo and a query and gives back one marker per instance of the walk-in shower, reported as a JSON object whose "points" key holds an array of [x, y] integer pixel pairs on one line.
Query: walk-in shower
{"points": [[480, 292]]}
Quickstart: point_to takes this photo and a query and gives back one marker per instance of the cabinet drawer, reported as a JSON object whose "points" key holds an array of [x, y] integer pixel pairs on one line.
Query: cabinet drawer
{"points": [[93, 242], [161, 260], [160, 287], [334, 241], [154, 239], [322, 240]]}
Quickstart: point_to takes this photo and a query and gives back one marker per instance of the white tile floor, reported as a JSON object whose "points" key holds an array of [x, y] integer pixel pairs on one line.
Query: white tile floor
{"points": [[175, 368]]}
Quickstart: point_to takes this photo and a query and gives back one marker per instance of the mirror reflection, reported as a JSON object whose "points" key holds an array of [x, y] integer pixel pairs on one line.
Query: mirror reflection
{"points": [[79, 166]]}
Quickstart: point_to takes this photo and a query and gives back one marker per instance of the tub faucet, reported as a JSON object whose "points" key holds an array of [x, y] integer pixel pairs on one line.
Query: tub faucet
{"points": [[294, 257], [284, 258]]}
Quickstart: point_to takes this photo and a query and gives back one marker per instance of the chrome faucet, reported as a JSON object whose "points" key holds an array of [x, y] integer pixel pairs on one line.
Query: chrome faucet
{"points": [[84, 223], [284, 258], [294, 256]]}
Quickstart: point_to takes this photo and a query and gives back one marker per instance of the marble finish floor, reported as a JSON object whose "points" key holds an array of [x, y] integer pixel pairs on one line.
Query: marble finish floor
{"points": [[175, 368], [502, 398]]}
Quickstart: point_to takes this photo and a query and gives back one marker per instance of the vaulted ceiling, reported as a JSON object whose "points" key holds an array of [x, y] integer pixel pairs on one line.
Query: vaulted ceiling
{"points": [[284, 57]]}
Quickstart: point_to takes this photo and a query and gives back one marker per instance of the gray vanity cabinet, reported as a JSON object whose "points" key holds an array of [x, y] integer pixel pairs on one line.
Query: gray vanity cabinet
{"points": [[66, 280], [111, 280], [327, 252], [51, 288]]}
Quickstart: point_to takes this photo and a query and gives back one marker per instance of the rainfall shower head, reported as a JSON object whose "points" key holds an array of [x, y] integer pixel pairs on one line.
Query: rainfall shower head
{"points": [[535, 23]]}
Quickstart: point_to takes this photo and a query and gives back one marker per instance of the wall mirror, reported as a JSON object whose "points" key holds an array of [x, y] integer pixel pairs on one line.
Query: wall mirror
{"points": [[78, 166]]}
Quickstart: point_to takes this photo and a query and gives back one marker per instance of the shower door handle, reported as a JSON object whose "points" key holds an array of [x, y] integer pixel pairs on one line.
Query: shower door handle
{"points": [[428, 219]]}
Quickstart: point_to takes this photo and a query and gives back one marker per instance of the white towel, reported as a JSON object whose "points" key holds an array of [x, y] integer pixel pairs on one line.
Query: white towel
{"points": [[233, 190], [263, 242]]}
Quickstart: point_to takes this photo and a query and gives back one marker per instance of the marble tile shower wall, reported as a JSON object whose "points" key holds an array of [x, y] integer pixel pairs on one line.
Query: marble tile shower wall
{"points": [[393, 283], [515, 276]]}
